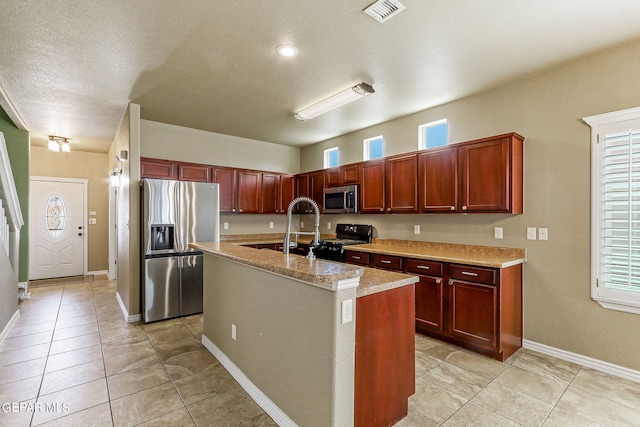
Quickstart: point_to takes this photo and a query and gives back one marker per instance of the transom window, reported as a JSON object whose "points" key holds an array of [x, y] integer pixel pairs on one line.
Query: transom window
{"points": [[331, 157], [433, 134], [373, 148], [615, 210]]}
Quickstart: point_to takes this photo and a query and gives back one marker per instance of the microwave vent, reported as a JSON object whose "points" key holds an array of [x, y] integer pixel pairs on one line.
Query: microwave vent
{"points": [[383, 10]]}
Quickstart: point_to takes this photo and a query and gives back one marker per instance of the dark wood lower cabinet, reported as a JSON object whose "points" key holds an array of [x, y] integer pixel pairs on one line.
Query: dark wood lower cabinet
{"points": [[385, 357]]}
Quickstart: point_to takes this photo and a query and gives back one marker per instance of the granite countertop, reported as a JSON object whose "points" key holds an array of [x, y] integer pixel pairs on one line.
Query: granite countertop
{"points": [[483, 256], [325, 274], [258, 239]]}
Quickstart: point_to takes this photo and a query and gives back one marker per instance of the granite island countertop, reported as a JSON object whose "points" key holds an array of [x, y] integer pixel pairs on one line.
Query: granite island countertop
{"points": [[317, 272], [483, 256]]}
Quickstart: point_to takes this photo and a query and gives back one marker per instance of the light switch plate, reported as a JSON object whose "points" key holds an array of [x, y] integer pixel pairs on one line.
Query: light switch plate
{"points": [[270, 224], [543, 233], [531, 233], [225, 225], [328, 226], [92, 221], [416, 229], [497, 233], [92, 213]]}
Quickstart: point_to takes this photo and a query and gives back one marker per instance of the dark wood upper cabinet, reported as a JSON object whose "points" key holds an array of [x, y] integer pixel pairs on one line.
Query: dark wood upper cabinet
{"points": [[401, 174], [302, 190], [372, 191], [332, 177], [269, 197], [316, 187], [227, 180], [287, 192], [342, 175], [438, 180], [159, 169], [491, 178], [195, 173], [249, 191]]}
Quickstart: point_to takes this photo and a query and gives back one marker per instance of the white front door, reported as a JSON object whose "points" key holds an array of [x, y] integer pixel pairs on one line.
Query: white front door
{"points": [[56, 227]]}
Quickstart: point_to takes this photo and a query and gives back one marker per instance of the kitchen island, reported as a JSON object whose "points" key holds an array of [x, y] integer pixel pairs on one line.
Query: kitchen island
{"points": [[281, 326]]}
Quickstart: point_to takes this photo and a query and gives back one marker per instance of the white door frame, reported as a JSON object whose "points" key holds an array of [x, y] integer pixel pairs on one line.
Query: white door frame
{"points": [[113, 232], [85, 210]]}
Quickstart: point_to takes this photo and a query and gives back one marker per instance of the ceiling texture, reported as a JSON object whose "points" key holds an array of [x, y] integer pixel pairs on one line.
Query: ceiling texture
{"points": [[69, 68]]}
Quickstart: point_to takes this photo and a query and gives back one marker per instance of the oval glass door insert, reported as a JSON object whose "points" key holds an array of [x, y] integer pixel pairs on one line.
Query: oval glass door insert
{"points": [[55, 216]]}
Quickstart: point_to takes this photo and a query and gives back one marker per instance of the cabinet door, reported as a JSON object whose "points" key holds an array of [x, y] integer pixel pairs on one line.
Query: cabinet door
{"points": [[249, 191], [269, 197], [302, 190], [316, 187], [195, 173], [159, 169], [401, 175], [332, 177], [227, 179], [429, 304], [438, 180], [372, 187], [350, 174], [286, 193], [473, 313], [485, 176]]}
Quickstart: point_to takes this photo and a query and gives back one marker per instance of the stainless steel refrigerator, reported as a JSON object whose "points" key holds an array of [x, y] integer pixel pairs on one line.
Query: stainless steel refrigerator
{"points": [[174, 214]]}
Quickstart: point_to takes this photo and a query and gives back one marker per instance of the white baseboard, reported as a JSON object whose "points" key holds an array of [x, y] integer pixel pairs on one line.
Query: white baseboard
{"points": [[128, 317], [589, 362], [98, 272], [10, 324], [256, 394], [22, 285]]}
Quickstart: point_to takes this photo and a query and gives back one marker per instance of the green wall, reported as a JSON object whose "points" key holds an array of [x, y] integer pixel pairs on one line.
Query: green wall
{"points": [[18, 148]]}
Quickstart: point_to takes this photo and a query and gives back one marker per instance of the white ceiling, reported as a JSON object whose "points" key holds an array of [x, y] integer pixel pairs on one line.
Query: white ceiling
{"points": [[69, 68]]}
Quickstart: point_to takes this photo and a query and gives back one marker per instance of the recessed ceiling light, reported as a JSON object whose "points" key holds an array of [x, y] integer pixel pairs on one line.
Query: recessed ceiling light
{"points": [[287, 50]]}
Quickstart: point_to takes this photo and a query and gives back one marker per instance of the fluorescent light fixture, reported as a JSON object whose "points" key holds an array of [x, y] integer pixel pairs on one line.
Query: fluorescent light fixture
{"points": [[66, 146], [287, 50], [338, 100]]}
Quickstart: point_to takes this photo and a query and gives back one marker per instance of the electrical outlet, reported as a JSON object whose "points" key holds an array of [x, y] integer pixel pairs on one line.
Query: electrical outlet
{"points": [[92, 221], [347, 311], [301, 224], [270, 224], [328, 226], [225, 225], [416, 229], [233, 331], [497, 232], [531, 233], [543, 233]]}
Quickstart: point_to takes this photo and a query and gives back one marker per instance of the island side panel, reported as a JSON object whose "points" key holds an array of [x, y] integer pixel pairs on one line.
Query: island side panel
{"points": [[385, 356], [289, 340]]}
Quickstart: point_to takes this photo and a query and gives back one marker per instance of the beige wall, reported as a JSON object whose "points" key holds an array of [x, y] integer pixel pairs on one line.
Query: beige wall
{"points": [[164, 141], [290, 342], [547, 110], [83, 165], [128, 209]]}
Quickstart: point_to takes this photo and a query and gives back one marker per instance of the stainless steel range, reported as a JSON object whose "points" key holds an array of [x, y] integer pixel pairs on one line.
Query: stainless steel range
{"points": [[346, 234]]}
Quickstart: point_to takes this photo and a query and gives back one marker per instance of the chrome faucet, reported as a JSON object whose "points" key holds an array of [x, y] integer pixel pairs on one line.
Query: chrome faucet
{"points": [[316, 233]]}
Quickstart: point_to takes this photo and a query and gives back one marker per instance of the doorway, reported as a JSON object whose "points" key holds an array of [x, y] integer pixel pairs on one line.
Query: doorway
{"points": [[58, 233]]}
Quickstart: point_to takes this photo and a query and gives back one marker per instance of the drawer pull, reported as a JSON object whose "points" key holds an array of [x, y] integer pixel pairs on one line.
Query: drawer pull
{"points": [[438, 281], [384, 261], [467, 273], [355, 257], [450, 282], [423, 267]]}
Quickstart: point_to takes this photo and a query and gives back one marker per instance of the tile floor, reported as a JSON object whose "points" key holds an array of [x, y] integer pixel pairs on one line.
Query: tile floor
{"points": [[72, 360]]}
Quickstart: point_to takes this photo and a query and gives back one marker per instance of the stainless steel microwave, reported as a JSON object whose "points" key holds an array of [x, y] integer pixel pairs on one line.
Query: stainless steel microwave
{"points": [[341, 199]]}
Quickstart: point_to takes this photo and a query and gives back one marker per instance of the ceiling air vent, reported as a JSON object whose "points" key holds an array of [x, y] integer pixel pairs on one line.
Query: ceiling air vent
{"points": [[383, 10]]}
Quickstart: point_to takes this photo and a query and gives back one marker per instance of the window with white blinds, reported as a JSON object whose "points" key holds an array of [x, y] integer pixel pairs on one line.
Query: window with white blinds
{"points": [[615, 213]]}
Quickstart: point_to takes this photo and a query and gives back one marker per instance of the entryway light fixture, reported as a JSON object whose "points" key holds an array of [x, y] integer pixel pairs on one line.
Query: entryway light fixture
{"points": [[287, 50], [114, 178], [58, 143], [338, 100]]}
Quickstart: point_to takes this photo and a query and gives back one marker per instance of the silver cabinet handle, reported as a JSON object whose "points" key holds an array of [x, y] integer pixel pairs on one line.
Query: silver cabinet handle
{"points": [[438, 281], [464, 208], [240, 210], [355, 257], [388, 209], [384, 261], [450, 282], [233, 210], [453, 208], [423, 267], [466, 273], [381, 209]]}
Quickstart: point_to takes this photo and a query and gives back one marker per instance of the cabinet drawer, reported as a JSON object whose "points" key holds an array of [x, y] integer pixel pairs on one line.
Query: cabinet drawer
{"points": [[474, 274], [356, 257], [426, 268], [388, 262]]}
